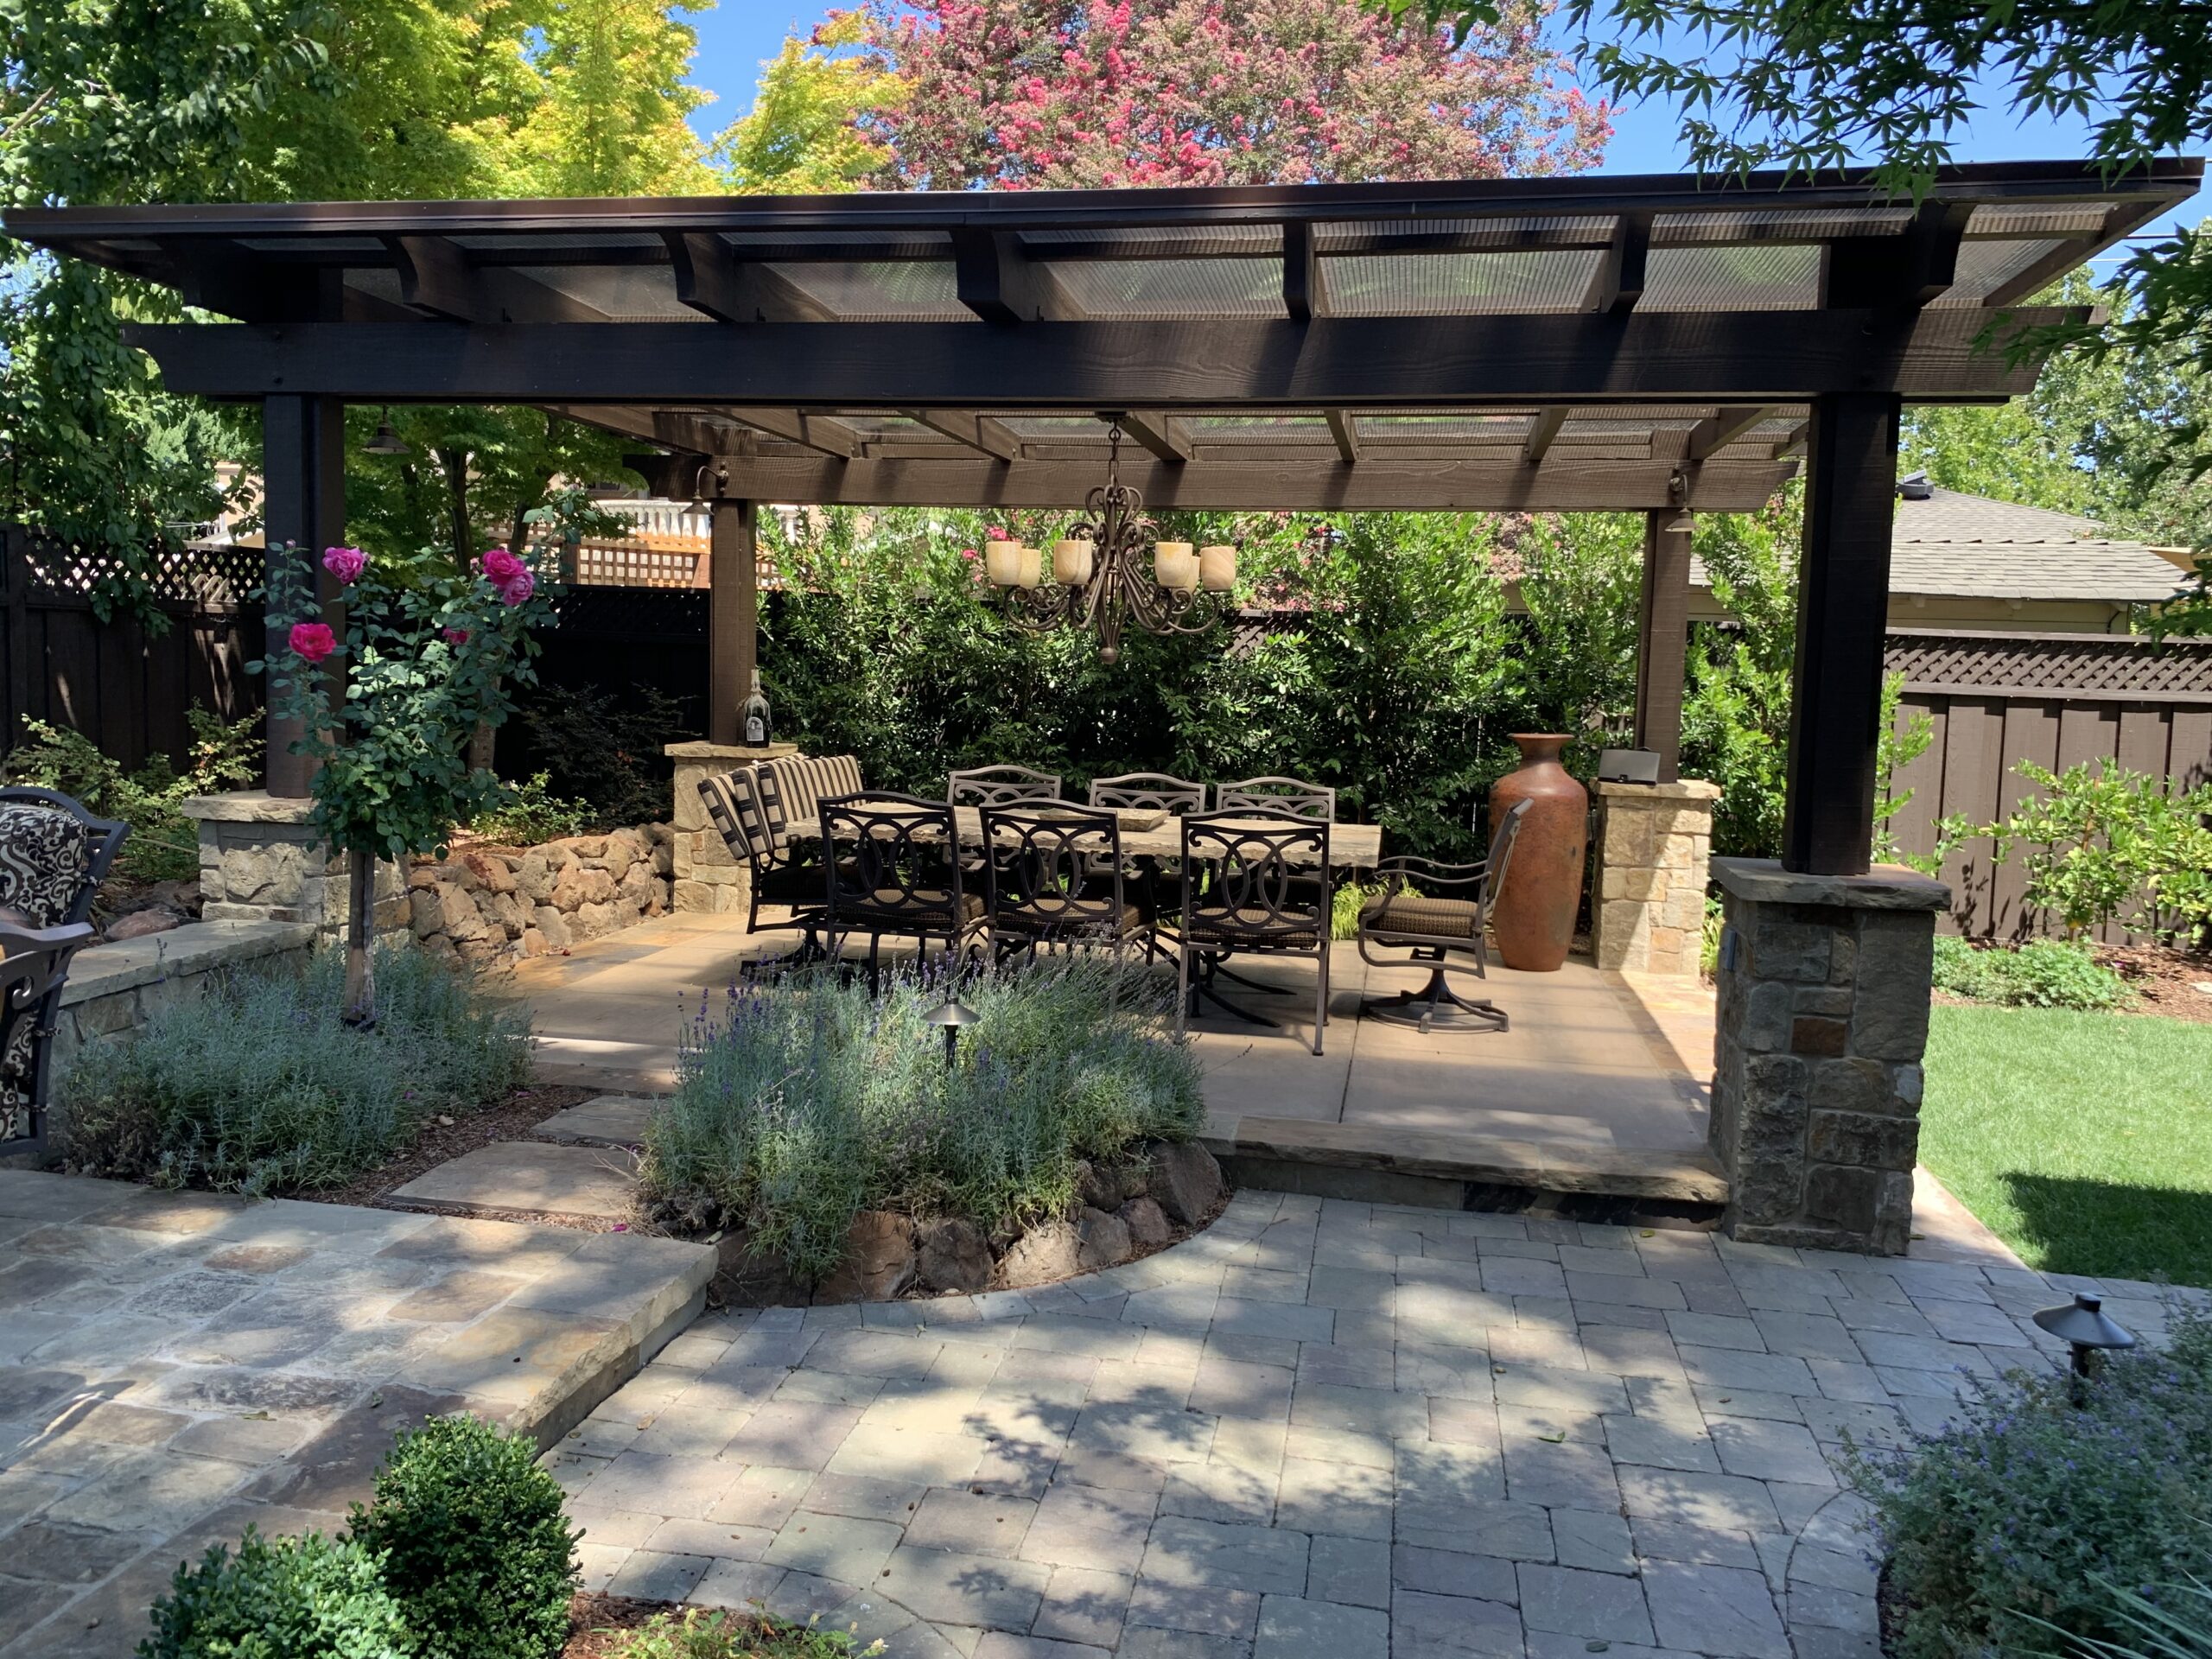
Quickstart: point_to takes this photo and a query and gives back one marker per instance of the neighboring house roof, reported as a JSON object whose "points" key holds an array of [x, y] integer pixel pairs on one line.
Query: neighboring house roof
{"points": [[1958, 546]]}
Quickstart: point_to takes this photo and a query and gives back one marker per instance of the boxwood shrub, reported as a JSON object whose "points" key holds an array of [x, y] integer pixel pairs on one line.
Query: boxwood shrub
{"points": [[310, 1598]]}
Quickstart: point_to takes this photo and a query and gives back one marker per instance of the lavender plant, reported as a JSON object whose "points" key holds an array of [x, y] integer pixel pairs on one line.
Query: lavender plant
{"points": [[800, 1105], [2037, 1517]]}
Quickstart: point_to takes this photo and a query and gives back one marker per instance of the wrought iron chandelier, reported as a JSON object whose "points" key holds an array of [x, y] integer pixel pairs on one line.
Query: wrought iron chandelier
{"points": [[1098, 582]]}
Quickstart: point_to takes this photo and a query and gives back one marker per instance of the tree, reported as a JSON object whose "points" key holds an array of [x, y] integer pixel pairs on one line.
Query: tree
{"points": [[612, 119], [1056, 93], [803, 134]]}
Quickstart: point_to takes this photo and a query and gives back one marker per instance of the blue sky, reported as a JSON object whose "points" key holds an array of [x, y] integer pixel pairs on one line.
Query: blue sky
{"points": [[738, 34]]}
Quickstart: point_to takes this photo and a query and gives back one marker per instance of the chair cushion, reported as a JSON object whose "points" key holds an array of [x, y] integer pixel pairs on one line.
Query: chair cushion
{"points": [[894, 909], [1054, 911], [1248, 927], [1417, 913], [45, 855]]}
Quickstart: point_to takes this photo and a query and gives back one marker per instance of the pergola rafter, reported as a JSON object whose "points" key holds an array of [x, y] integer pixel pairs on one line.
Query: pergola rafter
{"points": [[1625, 344]]}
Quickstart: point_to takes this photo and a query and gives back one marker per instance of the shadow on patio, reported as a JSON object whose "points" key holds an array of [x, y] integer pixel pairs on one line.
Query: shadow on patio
{"points": [[1600, 1087]]}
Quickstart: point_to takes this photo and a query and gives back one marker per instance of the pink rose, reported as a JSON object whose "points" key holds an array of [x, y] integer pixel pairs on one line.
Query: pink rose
{"points": [[345, 563], [968, 553], [997, 535], [313, 641], [454, 636], [518, 587], [503, 567]]}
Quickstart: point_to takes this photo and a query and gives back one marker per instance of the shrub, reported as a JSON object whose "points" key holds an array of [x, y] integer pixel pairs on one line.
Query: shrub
{"points": [[476, 1547], [2105, 841], [2041, 974], [260, 1086], [2033, 1510], [699, 1634], [163, 844], [800, 1105], [531, 813], [311, 1598], [604, 753]]}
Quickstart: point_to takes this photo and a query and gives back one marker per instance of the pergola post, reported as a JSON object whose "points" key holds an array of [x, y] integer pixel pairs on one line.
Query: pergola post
{"points": [[1663, 640], [304, 502], [733, 611]]}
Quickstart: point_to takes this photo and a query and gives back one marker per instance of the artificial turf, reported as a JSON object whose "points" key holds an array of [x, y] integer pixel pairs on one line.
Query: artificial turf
{"points": [[2084, 1140]]}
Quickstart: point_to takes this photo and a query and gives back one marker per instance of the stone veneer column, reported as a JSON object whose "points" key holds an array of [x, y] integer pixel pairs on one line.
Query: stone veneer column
{"points": [[1823, 1018], [259, 861], [709, 877], [1648, 906]]}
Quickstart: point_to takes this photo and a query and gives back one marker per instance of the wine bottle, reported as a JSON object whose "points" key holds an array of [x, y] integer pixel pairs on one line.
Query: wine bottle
{"points": [[755, 718]]}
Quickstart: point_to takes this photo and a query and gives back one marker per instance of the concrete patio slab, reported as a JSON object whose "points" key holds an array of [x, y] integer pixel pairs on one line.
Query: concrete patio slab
{"points": [[609, 1121], [530, 1175], [176, 1364]]}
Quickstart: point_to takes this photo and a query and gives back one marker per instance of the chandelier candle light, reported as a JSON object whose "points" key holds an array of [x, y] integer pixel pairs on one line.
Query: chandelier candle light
{"points": [[1096, 581]]}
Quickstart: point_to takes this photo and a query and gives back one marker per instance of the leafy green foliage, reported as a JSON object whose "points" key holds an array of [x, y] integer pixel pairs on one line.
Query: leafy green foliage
{"points": [[530, 812], [2105, 841], [2039, 974], [309, 1598], [803, 134], [2176, 1626], [475, 1545], [697, 1634], [258, 1086], [1736, 714], [163, 844], [604, 753], [2031, 1509], [799, 1106]]}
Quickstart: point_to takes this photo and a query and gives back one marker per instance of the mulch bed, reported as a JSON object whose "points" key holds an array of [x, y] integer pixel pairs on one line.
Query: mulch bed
{"points": [[2164, 980], [598, 1624], [516, 1118]]}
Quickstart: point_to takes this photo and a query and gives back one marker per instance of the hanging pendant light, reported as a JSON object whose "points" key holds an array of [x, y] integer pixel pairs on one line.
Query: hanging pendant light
{"points": [[387, 440], [1097, 580]]}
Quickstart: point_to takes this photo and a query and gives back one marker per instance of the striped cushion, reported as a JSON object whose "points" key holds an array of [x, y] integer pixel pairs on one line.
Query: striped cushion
{"points": [[808, 780], [733, 804]]}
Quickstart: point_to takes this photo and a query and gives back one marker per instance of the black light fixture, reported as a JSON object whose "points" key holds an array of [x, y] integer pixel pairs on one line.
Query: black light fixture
{"points": [[1678, 500], [699, 502], [2084, 1325], [951, 1016], [387, 440]]}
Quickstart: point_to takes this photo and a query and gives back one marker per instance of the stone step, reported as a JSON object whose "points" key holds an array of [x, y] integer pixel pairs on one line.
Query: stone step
{"points": [[531, 1176], [609, 1121]]}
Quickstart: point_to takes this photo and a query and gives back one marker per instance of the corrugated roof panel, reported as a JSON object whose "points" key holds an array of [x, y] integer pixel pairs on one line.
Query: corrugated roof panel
{"points": [[1459, 284], [1167, 290], [1984, 267], [904, 290], [1765, 277], [626, 293], [1726, 225]]}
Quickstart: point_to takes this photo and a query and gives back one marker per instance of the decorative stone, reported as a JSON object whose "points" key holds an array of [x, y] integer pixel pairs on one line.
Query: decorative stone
{"points": [[489, 870], [1147, 1223], [1100, 1189], [155, 919], [751, 1278], [592, 921], [879, 1259], [1049, 1251], [532, 943], [1186, 1180], [552, 926], [1103, 1239], [533, 877], [952, 1255]]}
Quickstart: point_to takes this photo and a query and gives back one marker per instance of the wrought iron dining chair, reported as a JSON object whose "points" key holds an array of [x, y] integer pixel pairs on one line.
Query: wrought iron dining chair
{"points": [[1292, 795], [902, 877], [1250, 888], [1052, 876], [1001, 787], [1149, 792], [1435, 926], [54, 855], [34, 964], [745, 805]]}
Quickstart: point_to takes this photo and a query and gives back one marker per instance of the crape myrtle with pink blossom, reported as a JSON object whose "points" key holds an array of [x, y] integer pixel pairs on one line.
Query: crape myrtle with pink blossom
{"points": [[428, 654], [1034, 94]]}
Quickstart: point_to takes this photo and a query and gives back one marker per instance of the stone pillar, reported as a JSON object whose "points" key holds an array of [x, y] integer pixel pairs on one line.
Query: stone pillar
{"points": [[260, 862], [1653, 841], [1823, 1017], [710, 879]]}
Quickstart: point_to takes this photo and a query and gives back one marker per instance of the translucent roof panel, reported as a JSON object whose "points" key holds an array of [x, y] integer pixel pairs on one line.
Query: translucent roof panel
{"points": [[1765, 276], [1459, 284], [1166, 291], [892, 291], [1775, 225], [625, 293], [1985, 267]]}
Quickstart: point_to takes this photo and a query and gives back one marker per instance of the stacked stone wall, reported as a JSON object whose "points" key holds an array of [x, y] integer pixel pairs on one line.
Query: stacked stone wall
{"points": [[1655, 841], [487, 902]]}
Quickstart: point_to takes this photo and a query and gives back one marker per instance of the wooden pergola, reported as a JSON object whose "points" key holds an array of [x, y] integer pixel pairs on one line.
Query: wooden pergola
{"points": [[1658, 344]]}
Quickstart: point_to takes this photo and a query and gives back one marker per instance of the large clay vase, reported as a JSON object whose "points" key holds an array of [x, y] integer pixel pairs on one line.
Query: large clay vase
{"points": [[1533, 913]]}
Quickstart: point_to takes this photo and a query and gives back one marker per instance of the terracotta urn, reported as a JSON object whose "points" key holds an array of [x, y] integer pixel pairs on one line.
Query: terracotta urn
{"points": [[1533, 913]]}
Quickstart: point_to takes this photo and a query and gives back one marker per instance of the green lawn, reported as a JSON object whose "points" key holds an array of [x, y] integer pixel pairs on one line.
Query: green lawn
{"points": [[2084, 1140]]}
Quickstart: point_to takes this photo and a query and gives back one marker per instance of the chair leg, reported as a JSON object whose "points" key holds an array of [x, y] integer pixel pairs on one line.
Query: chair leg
{"points": [[1182, 992], [1321, 995], [1430, 1001], [874, 970]]}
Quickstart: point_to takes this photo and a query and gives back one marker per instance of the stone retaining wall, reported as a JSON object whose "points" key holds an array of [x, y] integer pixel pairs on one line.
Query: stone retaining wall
{"points": [[525, 901]]}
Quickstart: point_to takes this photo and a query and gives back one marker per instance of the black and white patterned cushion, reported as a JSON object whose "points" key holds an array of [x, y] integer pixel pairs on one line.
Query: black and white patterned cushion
{"points": [[44, 854]]}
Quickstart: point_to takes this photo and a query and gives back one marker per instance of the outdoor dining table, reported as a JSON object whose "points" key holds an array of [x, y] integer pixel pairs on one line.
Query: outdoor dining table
{"points": [[1352, 846]]}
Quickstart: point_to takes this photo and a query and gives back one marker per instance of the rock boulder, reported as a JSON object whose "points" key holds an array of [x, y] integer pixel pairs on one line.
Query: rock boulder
{"points": [[953, 1256], [1103, 1239], [1146, 1222], [1046, 1252], [1186, 1180], [879, 1259]]}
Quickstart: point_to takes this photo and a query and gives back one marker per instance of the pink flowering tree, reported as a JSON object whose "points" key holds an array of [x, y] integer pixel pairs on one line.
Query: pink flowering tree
{"points": [[1030, 94], [428, 655]]}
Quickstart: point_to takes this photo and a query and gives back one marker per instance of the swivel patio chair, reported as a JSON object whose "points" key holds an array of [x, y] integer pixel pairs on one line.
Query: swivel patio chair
{"points": [[902, 877], [1001, 787], [1257, 886], [745, 805], [1435, 927], [1052, 876], [54, 855]]}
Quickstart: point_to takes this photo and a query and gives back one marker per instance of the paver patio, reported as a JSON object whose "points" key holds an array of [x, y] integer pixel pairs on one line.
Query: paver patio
{"points": [[173, 1365], [1320, 1429]]}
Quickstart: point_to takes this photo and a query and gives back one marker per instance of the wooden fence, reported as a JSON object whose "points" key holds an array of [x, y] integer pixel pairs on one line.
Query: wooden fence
{"points": [[124, 685], [2056, 699]]}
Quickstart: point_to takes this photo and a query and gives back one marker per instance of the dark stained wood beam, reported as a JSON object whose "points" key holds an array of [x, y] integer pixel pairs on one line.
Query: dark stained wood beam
{"points": [[732, 616], [1543, 432], [1165, 435], [1377, 483], [1619, 285], [303, 509], [1895, 272], [1792, 438], [1932, 356], [1662, 641], [1344, 427], [712, 280], [1717, 432], [438, 279], [222, 276], [1304, 279], [824, 432], [696, 436], [983, 433], [1000, 283]]}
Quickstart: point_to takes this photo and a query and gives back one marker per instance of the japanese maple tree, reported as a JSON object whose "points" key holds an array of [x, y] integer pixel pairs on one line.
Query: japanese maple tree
{"points": [[1016, 94]]}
